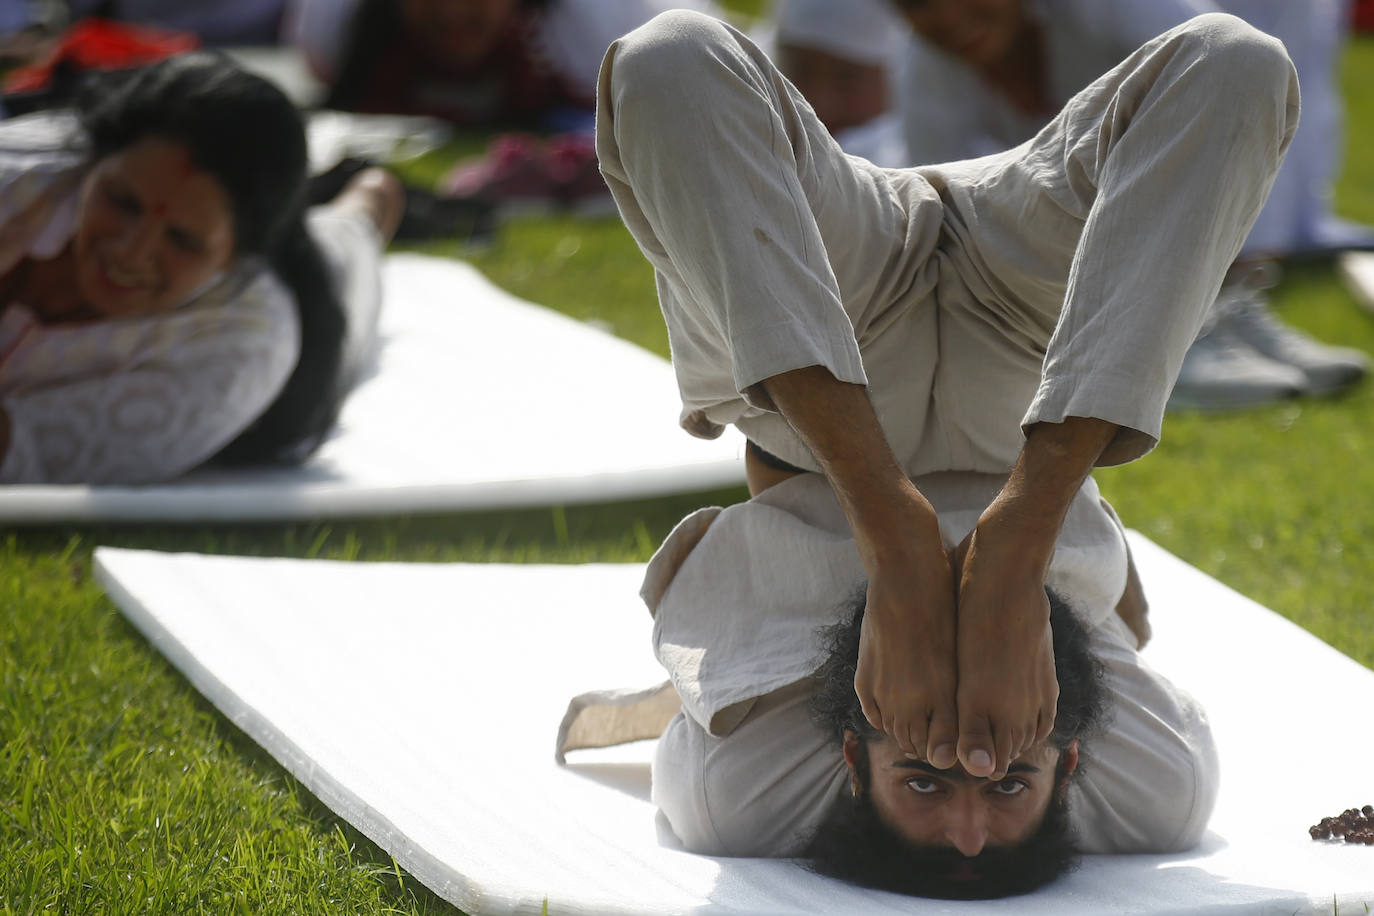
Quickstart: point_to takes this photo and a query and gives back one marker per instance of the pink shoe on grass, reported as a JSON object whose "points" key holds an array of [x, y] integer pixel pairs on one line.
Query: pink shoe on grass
{"points": [[520, 174], [571, 160], [512, 176]]}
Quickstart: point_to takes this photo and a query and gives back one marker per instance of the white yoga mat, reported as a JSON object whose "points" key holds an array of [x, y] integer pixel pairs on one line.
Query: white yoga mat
{"points": [[1357, 267], [477, 400], [421, 702]]}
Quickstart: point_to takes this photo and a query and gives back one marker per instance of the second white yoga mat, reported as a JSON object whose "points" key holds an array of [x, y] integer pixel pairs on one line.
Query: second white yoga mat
{"points": [[1357, 267], [421, 702], [477, 400]]}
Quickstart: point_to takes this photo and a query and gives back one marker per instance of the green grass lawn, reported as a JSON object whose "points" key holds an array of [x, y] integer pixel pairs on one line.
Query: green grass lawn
{"points": [[122, 791]]}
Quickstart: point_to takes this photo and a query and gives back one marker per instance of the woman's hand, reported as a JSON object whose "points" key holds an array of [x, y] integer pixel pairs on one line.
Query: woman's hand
{"points": [[21, 231]]}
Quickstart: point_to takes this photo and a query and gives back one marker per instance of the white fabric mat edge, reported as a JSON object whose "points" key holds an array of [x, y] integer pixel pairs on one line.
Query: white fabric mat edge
{"points": [[41, 504], [114, 567], [1357, 267]]}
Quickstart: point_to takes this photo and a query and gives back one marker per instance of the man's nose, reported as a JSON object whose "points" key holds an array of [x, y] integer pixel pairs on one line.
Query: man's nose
{"points": [[966, 828]]}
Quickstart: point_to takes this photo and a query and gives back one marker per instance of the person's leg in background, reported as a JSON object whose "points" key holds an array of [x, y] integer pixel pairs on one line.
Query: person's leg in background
{"points": [[1296, 220], [1142, 192], [352, 231]]}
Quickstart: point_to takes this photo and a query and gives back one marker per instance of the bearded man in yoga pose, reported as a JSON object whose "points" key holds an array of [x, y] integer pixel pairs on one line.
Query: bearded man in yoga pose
{"points": [[928, 363]]}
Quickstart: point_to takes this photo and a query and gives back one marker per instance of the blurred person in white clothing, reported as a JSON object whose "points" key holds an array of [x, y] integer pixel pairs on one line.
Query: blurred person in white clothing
{"points": [[846, 59], [527, 63], [986, 75], [165, 298]]}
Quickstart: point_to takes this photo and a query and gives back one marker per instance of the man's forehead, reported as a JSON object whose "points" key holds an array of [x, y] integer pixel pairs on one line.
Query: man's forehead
{"points": [[1026, 764]]}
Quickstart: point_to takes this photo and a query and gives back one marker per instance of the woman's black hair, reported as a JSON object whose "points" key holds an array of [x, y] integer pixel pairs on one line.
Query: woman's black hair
{"points": [[244, 132], [374, 28], [855, 845]]}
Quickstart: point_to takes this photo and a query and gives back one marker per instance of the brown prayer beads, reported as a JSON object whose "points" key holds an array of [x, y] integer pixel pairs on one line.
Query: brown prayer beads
{"points": [[1354, 825]]}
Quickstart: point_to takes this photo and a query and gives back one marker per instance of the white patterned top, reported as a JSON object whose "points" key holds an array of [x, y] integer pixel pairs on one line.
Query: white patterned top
{"points": [[131, 400]]}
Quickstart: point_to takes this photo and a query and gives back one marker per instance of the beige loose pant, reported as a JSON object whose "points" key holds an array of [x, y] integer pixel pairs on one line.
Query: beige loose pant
{"points": [[1065, 277]]}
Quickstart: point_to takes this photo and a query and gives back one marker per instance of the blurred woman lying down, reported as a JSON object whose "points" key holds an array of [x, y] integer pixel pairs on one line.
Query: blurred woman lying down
{"points": [[165, 300]]}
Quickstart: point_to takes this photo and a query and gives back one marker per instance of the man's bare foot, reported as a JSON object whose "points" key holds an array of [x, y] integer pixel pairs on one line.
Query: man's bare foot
{"points": [[378, 194], [1008, 688], [906, 675], [1008, 691]]}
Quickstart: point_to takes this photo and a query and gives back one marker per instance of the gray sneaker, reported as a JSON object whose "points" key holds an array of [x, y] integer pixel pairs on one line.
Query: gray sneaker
{"points": [[1221, 372], [1243, 312]]}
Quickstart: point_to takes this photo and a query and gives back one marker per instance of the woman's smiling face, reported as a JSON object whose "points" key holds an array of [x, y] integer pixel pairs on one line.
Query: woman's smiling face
{"points": [[152, 230]]}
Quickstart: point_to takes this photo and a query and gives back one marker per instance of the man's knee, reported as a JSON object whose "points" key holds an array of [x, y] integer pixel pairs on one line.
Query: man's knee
{"points": [[1249, 78], [661, 58], [1242, 61], [666, 82]]}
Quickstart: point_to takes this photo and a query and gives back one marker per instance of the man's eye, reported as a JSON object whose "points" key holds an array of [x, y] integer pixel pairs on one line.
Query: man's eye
{"points": [[1009, 787], [922, 785]]}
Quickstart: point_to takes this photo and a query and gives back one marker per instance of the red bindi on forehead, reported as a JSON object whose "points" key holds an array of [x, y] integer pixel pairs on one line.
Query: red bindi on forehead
{"points": [[181, 171]]}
